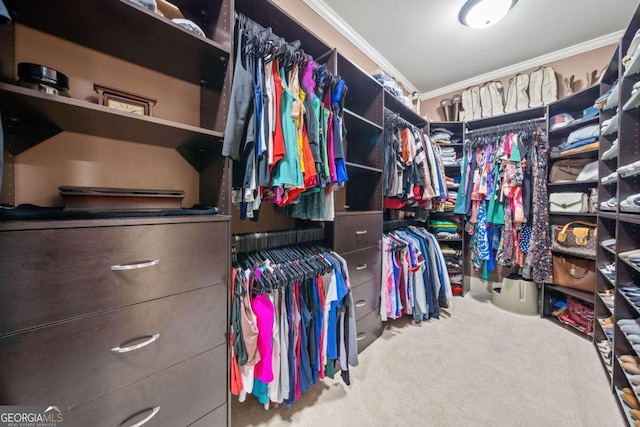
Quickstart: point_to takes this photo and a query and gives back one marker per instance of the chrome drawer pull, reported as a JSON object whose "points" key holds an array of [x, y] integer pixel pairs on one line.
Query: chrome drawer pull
{"points": [[154, 412], [361, 266], [361, 336], [361, 232], [145, 343], [361, 303], [143, 264]]}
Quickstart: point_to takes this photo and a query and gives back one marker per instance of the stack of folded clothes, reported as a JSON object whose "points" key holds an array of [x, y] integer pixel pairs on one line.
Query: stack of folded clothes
{"points": [[583, 139], [453, 182], [634, 100], [454, 269], [441, 136], [448, 155], [444, 229]]}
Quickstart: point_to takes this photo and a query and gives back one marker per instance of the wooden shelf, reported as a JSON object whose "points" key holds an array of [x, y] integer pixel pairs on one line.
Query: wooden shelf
{"points": [[584, 296], [629, 217], [395, 105], [607, 215], [607, 249], [630, 264], [566, 130], [114, 27], [36, 116], [581, 155], [365, 121], [576, 103], [574, 214], [573, 184], [505, 119], [605, 304]]}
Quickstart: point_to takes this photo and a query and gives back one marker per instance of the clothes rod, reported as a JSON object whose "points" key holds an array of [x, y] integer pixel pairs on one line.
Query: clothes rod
{"points": [[392, 119], [252, 242], [505, 127], [394, 224]]}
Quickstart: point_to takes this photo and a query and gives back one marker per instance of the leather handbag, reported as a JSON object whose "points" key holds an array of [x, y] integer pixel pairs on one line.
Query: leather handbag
{"points": [[576, 273], [569, 202], [567, 170], [574, 240]]}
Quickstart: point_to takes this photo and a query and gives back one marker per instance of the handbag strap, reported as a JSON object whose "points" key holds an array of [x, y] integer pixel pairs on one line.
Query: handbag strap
{"points": [[567, 225], [564, 265]]}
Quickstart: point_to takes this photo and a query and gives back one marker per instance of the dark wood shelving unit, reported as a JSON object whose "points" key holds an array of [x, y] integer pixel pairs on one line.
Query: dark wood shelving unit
{"points": [[584, 296], [30, 110], [166, 47]]}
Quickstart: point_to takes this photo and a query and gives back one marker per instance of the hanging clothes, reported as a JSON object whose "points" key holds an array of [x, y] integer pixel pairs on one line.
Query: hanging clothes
{"points": [[413, 168], [505, 200], [285, 128], [415, 278], [292, 321]]}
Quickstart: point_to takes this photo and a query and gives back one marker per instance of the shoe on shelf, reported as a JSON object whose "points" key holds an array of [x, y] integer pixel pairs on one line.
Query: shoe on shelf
{"points": [[630, 169], [631, 203], [612, 152], [631, 329], [633, 338], [635, 414], [624, 322], [634, 380], [631, 400], [630, 254], [629, 358], [609, 205], [612, 177]]}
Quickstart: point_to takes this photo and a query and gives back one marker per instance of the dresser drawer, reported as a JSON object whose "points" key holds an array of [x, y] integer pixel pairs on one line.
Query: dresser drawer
{"points": [[366, 297], [369, 329], [353, 232], [217, 418], [56, 274], [364, 265], [75, 361], [182, 393]]}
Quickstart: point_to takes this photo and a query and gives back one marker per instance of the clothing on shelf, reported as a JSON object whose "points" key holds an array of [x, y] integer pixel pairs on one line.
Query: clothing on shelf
{"points": [[292, 322], [503, 195], [285, 127], [414, 275], [413, 166]]}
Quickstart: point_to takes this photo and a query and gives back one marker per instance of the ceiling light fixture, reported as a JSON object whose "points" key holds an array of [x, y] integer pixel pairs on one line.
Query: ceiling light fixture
{"points": [[480, 14]]}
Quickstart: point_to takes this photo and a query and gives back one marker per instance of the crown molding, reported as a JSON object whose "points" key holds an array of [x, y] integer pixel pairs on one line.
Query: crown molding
{"points": [[329, 15], [576, 49]]}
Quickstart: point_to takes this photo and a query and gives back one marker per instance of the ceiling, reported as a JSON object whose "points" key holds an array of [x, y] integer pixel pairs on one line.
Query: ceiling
{"points": [[427, 49]]}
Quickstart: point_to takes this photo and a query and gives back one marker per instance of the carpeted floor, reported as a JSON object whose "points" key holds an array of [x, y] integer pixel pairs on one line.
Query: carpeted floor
{"points": [[481, 366]]}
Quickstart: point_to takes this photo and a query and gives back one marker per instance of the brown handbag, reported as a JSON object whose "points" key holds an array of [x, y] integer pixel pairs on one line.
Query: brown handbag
{"points": [[576, 273], [573, 240], [567, 170]]}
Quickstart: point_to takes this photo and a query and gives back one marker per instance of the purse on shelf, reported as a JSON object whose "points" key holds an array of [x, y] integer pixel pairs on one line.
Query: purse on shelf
{"points": [[576, 273], [567, 170], [578, 314], [574, 238], [569, 202]]}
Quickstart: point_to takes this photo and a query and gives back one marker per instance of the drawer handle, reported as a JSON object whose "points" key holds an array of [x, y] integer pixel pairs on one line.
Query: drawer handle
{"points": [[347, 206], [135, 266], [361, 336], [145, 343], [361, 303], [154, 412], [361, 232], [361, 266]]}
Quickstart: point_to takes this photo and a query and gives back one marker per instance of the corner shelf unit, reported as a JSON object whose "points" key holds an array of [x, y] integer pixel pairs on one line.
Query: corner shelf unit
{"points": [[458, 131], [622, 226]]}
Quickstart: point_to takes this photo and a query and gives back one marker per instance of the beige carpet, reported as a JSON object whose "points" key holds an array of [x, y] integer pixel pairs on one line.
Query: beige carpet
{"points": [[479, 367]]}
